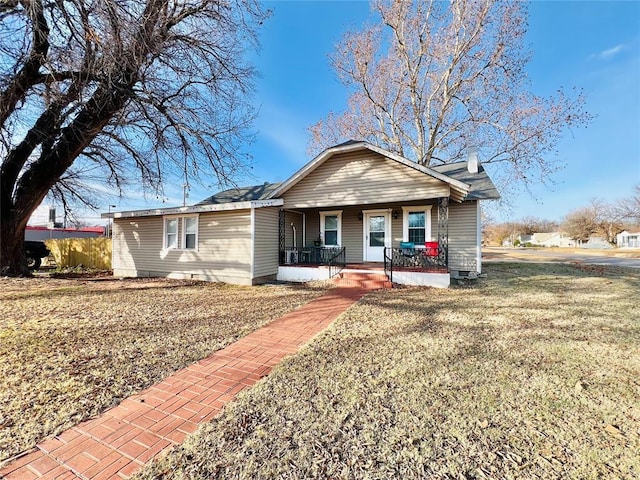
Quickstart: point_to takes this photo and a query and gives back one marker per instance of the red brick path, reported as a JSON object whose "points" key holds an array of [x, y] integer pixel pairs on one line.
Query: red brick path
{"points": [[126, 437]]}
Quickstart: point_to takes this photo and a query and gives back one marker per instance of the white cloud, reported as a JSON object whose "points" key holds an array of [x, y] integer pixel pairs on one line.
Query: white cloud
{"points": [[609, 53]]}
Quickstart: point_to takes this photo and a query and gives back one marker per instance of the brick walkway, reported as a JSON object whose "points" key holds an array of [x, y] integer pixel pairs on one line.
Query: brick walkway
{"points": [[126, 437]]}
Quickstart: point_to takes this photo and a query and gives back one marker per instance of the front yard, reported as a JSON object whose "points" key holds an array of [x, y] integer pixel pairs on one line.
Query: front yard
{"points": [[531, 373], [70, 349]]}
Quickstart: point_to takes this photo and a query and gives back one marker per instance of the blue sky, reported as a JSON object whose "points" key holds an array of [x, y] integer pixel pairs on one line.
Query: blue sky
{"points": [[592, 45]]}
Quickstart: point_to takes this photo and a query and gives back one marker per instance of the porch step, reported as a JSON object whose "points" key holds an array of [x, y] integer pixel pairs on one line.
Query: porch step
{"points": [[371, 281]]}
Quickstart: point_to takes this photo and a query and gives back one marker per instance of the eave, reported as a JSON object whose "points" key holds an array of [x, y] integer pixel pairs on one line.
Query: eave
{"points": [[220, 207]]}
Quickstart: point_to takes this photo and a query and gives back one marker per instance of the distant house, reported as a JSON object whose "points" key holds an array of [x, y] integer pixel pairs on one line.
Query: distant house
{"points": [[523, 239], [596, 242], [45, 233], [552, 239], [628, 239], [353, 207]]}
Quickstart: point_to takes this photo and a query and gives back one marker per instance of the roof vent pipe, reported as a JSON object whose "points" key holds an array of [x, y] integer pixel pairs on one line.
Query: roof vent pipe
{"points": [[473, 164]]}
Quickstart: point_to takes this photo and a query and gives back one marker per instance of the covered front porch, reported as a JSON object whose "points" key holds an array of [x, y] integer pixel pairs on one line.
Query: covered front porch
{"points": [[408, 242]]}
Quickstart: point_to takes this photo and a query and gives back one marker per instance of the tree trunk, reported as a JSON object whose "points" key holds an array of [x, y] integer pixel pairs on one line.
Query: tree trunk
{"points": [[12, 257]]}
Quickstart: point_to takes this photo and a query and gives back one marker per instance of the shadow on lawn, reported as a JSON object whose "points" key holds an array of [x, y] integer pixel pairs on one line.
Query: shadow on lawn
{"points": [[540, 309], [78, 287], [508, 270]]}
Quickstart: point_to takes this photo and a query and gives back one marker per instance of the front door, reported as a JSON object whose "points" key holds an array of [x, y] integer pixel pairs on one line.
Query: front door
{"points": [[376, 236]]}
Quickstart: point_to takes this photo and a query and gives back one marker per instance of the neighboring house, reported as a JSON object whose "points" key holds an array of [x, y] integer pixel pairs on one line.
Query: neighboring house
{"points": [[595, 242], [354, 206], [45, 233], [628, 239], [525, 239], [552, 239]]}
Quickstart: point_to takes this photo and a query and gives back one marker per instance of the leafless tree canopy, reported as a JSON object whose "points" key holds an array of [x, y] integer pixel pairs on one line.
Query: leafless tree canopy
{"points": [[430, 79], [105, 91], [630, 207]]}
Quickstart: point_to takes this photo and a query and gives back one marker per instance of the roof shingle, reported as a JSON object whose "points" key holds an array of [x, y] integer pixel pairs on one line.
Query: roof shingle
{"points": [[241, 194]]}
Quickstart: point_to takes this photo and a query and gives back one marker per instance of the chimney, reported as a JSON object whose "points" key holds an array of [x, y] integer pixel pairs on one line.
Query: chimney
{"points": [[473, 164]]}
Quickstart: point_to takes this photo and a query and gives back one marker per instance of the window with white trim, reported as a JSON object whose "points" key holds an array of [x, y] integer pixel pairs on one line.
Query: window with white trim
{"points": [[416, 224], [190, 236], [331, 228], [188, 226], [171, 232]]}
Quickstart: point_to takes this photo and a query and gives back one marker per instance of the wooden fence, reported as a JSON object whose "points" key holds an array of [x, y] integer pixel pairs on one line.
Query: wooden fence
{"points": [[87, 252]]}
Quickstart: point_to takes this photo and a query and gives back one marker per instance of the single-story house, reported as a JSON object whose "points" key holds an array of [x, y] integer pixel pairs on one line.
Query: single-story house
{"points": [[354, 207], [628, 239], [552, 239], [595, 242]]}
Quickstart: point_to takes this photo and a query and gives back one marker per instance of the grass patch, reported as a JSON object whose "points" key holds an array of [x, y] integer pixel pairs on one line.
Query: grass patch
{"points": [[531, 373], [70, 349]]}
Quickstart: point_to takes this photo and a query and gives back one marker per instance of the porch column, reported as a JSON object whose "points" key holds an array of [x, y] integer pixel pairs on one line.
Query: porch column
{"points": [[443, 230], [281, 237]]}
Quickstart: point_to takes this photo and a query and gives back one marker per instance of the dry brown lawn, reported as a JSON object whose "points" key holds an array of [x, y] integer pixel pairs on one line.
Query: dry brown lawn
{"points": [[533, 372], [530, 253], [71, 348]]}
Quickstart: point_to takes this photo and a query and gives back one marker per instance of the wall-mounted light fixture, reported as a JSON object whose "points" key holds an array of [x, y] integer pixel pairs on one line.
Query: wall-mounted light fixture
{"points": [[360, 216], [395, 215]]}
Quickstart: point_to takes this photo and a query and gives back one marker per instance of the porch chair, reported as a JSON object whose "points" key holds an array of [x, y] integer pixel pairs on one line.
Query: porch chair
{"points": [[408, 249], [410, 253]]}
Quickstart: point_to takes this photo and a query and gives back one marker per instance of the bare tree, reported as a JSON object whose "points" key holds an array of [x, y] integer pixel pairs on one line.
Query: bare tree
{"points": [[599, 217], [531, 225], [104, 91], [580, 224], [431, 79], [629, 208]]}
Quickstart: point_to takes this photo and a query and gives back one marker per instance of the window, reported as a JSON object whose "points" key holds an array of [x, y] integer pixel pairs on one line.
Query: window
{"points": [[417, 225], [189, 228], [331, 228], [171, 233]]}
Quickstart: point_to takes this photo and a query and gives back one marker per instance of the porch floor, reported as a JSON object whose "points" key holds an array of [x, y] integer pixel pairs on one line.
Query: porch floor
{"points": [[372, 267]]}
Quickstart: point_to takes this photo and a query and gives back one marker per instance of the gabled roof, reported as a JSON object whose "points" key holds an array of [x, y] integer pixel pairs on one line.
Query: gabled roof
{"points": [[481, 186], [242, 194], [459, 189]]}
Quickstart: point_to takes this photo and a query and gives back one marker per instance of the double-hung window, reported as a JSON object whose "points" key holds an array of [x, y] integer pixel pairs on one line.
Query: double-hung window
{"points": [[190, 227], [171, 232], [181, 233], [416, 222], [331, 228]]}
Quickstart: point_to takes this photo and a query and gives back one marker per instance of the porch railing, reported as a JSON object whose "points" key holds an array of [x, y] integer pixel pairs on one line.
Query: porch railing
{"points": [[416, 259], [337, 263], [333, 257]]}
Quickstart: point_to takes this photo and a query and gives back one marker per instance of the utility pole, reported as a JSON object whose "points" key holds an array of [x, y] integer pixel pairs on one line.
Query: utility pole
{"points": [[109, 221], [185, 193]]}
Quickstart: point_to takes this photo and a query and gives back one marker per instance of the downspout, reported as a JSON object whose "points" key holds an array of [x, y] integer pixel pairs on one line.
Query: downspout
{"points": [[479, 239]]}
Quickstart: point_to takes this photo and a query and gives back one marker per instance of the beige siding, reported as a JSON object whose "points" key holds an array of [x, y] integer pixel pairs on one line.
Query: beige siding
{"points": [[296, 219], [352, 227], [265, 258], [352, 234], [463, 228], [362, 178], [398, 227], [351, 231], [313, 226], [224, 249]]}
